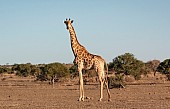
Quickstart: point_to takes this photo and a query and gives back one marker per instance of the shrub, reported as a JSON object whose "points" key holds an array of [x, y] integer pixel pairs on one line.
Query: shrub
{"points": [[129, 78], [128, 65], [22, 69], [116, 81], [151, 66], [164, 68], [168, 76], [73, 71], [53, 71], [25, 69]]}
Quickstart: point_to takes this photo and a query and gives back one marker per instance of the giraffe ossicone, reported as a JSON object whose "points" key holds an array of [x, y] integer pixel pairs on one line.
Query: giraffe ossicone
{"points": [[85, 60]]}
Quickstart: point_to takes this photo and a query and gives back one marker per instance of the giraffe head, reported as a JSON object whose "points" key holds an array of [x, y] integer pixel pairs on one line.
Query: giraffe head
{"points": [[68, 23]]}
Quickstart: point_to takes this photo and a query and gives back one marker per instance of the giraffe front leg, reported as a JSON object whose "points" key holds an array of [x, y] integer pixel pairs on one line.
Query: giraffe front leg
{"points": [[101, 90], [81, 89]]}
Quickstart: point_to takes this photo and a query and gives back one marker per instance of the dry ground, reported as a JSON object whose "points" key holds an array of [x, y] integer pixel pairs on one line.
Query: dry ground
{"points": [[40, 95]]}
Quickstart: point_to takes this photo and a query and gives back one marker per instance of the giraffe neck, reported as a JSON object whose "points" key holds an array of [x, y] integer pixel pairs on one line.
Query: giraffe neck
{"points": [[75, 45]]}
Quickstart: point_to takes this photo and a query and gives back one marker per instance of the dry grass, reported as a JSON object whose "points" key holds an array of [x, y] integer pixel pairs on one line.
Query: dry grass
{"points": [[27, 94]]}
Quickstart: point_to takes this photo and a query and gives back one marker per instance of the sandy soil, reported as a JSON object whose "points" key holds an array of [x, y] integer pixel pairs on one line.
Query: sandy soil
{"points": [[41, 95]]}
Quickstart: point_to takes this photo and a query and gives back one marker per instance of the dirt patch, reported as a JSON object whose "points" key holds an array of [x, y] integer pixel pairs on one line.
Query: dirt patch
{"points": [[41, 95]]}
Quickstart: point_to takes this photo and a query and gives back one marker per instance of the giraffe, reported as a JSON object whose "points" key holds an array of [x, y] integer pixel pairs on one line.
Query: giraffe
{"points": [[85, 60]]}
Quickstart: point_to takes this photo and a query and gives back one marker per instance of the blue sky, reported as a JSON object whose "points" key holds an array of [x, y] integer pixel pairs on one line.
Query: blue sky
{"points": [[33, 30]]}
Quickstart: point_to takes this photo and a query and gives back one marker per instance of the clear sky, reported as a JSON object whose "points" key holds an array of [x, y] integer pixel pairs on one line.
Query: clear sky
{"points": [[33, 30]]}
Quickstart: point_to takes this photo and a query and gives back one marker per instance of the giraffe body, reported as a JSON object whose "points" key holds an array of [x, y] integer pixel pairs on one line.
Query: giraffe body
{"points": [[85, 60]]}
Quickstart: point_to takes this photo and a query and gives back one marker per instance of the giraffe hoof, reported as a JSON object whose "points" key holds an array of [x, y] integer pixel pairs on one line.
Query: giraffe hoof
{"points": [[100, 99], [109, 100], [81, 99], [88, 98]]}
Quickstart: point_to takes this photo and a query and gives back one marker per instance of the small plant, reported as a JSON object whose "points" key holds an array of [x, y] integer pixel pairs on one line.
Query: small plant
{"points": [[168, 76], [164, 68], [116, 81], [3, 79]]}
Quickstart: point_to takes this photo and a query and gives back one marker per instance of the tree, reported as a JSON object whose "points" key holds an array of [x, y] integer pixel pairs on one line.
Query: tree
{"points": [[5, 69], [25, 69], [73, 71], [1, 69], [128, 65], [54, 71], [164, 68], [151, 66], [35, 70]]}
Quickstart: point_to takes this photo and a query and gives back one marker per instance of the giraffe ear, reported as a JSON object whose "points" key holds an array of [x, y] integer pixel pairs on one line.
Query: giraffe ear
{"points": [[71, 21]]}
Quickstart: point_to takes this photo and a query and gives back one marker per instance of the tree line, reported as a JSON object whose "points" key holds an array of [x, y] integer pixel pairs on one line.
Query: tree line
{"points": [[42, 72], [125, 64]]}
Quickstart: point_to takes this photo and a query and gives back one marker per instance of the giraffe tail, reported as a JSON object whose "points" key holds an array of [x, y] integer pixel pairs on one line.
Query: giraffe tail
{"points": [[106, 82], [106, 66]]}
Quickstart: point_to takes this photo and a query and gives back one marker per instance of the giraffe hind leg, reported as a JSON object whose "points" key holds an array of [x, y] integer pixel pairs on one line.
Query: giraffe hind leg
{"points": [[101, 87], [108, 92]]}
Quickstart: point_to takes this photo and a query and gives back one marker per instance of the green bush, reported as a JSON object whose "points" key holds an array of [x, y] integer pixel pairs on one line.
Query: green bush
{"points": [[4, 69], [22, 69], [168, 76], [151, 66], [73, 71], [53, 71], [116, 81], [128, 65], [164, 68], [25, 69]]}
